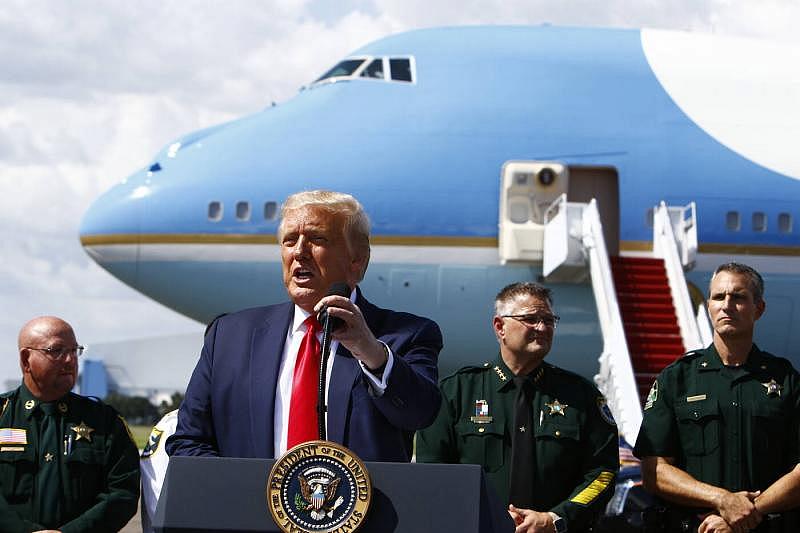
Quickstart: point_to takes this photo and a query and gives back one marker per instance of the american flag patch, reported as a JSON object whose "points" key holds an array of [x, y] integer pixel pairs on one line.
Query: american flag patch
{"points": [[13, 436]]}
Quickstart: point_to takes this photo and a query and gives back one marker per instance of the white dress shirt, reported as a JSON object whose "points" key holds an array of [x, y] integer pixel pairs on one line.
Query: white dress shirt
{"points": [[283, 392]]}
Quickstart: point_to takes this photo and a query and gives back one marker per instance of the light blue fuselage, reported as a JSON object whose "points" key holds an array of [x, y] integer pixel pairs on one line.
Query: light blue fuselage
{"points": [[424, 158]]}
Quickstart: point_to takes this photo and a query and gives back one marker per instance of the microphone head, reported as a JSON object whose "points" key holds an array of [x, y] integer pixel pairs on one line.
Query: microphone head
{"points": [[339, 288]]}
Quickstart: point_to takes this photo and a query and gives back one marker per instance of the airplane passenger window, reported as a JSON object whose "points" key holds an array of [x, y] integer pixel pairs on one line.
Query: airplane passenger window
{"points": [[759, 221], [243, 211], [374, 69], [400, 69], [215, 211], [343, 68], [785, 223], [270, 210], [732, 221]]}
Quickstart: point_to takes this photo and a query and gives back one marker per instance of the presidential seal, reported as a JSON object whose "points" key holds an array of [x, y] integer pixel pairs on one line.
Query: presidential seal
{"points": [[319, 486]]}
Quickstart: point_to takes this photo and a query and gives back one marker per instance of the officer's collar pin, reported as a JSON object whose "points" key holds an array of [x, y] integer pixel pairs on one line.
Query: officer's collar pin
{"points": [[500, 373]]}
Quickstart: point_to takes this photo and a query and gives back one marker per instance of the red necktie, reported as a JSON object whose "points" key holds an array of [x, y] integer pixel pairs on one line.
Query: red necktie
{"points": [[303, 422]]}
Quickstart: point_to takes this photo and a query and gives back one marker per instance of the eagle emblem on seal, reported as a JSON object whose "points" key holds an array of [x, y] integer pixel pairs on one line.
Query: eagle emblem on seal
{"points": [[317, 495]]}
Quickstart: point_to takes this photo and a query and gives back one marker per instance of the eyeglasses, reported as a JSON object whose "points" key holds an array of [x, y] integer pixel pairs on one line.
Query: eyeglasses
{"points": [[549, 321], [57, 354]]}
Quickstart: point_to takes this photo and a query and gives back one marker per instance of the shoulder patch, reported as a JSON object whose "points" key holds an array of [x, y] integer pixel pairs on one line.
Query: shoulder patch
{"points": [[605, 410], [652, 396], [152, 443], [127, 429]]}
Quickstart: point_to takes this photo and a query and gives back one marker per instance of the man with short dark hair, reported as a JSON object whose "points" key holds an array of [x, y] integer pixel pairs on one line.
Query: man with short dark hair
{"points": [[544, 436], [254, 391], [67, 463], [719, 440]]}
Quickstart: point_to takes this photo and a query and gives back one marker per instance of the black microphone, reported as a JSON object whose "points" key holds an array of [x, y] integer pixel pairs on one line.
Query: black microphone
{"points": [[329, 323], [337, 289]]}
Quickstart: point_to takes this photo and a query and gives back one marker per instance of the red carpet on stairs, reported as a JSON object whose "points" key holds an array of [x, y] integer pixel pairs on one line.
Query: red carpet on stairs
{"points": [[648, 316]]}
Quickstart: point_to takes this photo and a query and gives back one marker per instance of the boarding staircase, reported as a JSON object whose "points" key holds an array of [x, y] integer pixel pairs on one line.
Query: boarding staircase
{"points": [[648, 317], [645, 312]]}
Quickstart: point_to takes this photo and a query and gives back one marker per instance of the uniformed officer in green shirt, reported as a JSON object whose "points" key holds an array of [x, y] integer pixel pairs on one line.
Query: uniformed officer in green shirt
{"points": [[544, 436], [67, 463], [719, 439]]}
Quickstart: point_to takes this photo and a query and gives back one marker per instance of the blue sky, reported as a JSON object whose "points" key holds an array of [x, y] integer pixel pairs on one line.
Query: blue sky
{"points": [[90, 90]]}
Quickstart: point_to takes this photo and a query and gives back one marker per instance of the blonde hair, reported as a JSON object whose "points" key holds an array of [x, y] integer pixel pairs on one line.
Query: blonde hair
{"points": [[356, 221]]}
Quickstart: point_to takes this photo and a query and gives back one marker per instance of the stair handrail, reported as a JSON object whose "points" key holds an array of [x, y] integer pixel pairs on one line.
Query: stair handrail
{"points": [[666, 246], [615, 378], [704, 325]]}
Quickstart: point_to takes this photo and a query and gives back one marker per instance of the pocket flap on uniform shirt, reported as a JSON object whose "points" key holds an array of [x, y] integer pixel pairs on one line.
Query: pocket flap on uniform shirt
{"points": [[468, 427], [767, 410], [86, 455], [697, 410], [558, 429]]}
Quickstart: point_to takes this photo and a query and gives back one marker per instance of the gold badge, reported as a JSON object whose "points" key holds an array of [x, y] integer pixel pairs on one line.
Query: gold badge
{"points": [[773, 387], [62, 407], [29, 404], [82, 431], [556, 408]]}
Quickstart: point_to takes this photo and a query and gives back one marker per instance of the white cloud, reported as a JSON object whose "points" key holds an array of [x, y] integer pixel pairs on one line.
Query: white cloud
{"points": [[90, 90]]}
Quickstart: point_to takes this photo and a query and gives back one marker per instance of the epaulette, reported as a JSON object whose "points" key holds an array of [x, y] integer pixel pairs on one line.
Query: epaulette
{"points": [[692, 354], [469, 369]]}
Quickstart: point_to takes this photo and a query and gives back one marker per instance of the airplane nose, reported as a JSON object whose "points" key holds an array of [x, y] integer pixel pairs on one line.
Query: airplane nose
{"points": [[110, 229]]}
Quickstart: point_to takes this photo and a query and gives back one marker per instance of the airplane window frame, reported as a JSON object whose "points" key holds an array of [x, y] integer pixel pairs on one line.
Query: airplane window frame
{"points": [[738, 221], [758, 221], [327, 78], [786, 227], [270, 210], [412, 70], [219, 214], [243, 216], [382, 61], [366, 61]]}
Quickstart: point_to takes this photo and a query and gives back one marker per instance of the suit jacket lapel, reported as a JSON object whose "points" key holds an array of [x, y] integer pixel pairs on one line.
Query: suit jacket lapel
{"points": [[266, 351], [344, 376]]}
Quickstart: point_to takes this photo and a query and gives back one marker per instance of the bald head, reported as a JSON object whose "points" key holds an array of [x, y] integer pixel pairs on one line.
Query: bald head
{"points": [[47, 377], [41, 327]]}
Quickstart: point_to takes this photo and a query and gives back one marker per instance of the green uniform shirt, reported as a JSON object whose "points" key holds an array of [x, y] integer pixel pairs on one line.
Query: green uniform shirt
{"points": [[577, 456], [97, 461], [731, 427]]}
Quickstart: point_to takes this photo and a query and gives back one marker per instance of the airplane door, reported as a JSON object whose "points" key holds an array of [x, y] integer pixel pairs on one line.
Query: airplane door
{"points": [[602, 184]]}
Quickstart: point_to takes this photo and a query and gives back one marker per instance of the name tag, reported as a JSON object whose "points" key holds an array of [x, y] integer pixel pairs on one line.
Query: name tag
{"points": [[697, 398], [12, 449]]}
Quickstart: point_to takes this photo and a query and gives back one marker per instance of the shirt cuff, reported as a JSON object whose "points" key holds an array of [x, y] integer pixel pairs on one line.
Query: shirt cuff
{"points": [[379, 384]]}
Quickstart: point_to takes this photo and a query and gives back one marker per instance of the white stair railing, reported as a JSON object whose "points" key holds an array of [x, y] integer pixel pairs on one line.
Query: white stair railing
{"points": [[615, 378], [675, 241]]}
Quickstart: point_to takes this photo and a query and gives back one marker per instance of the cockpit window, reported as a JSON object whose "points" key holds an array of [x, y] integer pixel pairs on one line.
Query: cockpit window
{"points": [[342, 69], [373, 70], [392, 69], [401, 69]]}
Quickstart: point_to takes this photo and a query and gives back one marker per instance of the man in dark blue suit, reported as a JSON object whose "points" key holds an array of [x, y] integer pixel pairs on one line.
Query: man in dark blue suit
{"points": [[241, 400]]}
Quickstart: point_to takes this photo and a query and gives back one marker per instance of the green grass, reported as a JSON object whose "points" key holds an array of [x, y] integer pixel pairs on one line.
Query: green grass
{"points": [[141, 434]]}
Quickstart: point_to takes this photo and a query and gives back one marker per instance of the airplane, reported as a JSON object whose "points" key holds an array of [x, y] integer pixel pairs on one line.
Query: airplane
{"points": [[464, 144]]}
